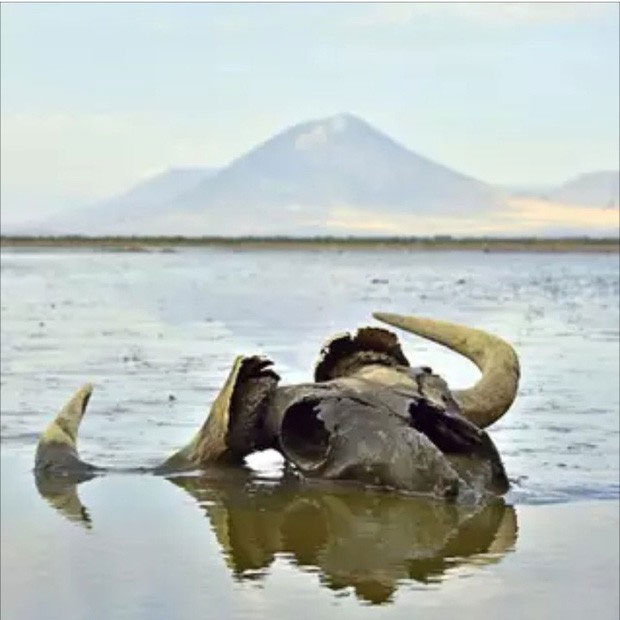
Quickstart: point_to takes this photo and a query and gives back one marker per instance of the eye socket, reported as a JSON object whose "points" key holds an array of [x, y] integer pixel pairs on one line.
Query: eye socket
{"points": [[451, 434], [303, 436]]}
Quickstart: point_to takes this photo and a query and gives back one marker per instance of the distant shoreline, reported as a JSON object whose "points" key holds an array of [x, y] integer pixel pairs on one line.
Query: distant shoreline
{"points": [[439, 243]]}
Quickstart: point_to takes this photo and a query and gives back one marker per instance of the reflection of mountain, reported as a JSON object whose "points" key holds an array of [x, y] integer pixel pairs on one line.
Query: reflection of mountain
{"points": [[365, 540]]}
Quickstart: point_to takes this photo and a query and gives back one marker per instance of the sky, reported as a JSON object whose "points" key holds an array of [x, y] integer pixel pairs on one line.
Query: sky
{"points": [[96, 97]]}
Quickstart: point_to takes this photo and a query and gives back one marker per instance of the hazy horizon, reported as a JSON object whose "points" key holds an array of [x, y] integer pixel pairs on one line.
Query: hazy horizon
{"points": [[96, 97]]}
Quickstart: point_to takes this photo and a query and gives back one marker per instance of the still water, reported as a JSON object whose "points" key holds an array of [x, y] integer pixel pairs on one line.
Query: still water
{"points": [[157, 332]]}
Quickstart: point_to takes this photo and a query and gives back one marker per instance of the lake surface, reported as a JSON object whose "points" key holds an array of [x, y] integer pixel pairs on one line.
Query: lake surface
{"points": [[157, 332]]}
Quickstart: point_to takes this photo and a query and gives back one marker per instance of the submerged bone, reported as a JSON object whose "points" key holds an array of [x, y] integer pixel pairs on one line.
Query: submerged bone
{"points": [[57, 447], [369, 418]]}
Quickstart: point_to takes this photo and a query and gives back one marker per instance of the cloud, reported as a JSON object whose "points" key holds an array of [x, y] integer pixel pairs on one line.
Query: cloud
{"points": [[386, 14], [516, 13], [484, 13]]}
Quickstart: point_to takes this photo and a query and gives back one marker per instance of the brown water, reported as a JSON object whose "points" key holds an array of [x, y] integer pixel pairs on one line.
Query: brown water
{"points": [[145, 327]]}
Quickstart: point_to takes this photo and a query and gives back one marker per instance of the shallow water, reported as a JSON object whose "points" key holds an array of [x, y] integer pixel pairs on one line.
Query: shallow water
{"points": [[157, 333]]}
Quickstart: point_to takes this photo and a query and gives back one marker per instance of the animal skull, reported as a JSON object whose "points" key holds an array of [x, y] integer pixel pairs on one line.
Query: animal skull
{"points": [[368, 417]]}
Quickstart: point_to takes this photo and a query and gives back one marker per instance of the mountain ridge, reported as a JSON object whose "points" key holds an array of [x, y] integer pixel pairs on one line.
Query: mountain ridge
{"points": [[334, 175], [339, 160]]}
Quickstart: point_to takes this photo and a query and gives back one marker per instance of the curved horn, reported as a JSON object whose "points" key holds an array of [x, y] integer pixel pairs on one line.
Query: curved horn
{"points": [[57, 447], [492, 396]]}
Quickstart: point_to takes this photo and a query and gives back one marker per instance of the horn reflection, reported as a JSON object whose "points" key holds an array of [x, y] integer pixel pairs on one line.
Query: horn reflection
{"points": [[372, 542], [61, 493]]}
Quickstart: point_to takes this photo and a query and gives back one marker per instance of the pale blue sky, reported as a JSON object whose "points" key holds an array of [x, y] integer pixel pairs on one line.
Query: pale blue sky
{"points": [[98, 96]]}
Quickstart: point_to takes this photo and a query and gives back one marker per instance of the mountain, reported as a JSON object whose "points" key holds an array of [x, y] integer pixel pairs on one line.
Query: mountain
{"points": [[162, 187], [341, 176], [340, 161], [300, 181], [596, 189], [593, 189], [127, 208]]}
